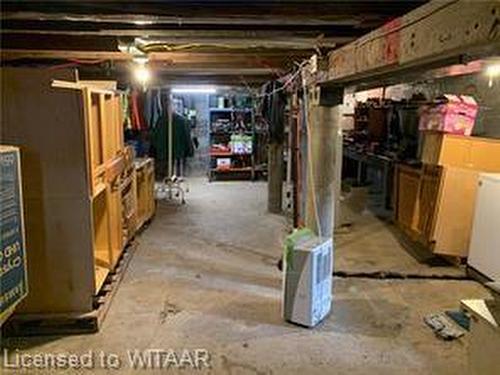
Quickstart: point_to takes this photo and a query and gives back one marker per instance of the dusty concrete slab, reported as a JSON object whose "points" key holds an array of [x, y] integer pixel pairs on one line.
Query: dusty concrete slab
{"points": [[204, 276], [371, 245]]}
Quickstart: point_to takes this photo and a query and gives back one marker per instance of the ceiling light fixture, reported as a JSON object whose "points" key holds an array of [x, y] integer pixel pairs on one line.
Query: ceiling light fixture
{"points": [[193, 90], [492, 71], [142, 74]]}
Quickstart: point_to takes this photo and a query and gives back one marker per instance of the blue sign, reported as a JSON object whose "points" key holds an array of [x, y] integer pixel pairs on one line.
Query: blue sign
{"points": [[13, 275]]}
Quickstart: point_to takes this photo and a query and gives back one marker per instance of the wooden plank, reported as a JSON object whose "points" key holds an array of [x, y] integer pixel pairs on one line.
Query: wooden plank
{"points": [[458, 27], [81, 85], [115, 224], [101, 84]]}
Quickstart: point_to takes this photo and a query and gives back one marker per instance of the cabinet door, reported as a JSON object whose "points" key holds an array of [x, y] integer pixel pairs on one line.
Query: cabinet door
{"points": [[455, 210], [406, 197], [426, 202]]}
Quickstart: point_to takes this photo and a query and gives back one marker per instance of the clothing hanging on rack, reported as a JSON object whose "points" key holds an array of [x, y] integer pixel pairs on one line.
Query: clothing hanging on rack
{"points": [[137, 111], [125, 107], [182, 143]]}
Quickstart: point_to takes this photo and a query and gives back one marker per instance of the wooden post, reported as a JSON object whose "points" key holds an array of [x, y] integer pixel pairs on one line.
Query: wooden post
{"points": [[323, 181], [337, 164], [275, 177]]}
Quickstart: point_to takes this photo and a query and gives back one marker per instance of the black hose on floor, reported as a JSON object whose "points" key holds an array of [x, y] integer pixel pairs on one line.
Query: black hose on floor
{"points": [[389, 275]]}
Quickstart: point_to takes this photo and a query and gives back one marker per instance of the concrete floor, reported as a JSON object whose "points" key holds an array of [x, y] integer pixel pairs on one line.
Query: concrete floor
{"points": [[371, 245], [204, 276]]}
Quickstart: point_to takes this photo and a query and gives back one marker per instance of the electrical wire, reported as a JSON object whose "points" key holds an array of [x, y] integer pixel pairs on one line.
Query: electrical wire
{"points": [[74, 62], [290, 80]]}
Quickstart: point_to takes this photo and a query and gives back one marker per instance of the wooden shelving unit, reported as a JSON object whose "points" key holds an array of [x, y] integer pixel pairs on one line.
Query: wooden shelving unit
{"points": [[74, 170]]}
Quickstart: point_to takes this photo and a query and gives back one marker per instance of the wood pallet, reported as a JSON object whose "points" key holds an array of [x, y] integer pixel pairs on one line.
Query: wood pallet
{"points": [[63, 324]]}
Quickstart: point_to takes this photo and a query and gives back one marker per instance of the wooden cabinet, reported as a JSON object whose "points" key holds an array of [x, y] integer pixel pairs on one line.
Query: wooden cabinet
{"points": [[450, 150], [70, 137], [434, 206], [435, 202]]}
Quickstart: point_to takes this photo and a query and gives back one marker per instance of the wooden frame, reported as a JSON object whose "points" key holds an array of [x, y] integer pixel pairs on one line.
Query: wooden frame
{"points": [[73, 157], [145, 191]]}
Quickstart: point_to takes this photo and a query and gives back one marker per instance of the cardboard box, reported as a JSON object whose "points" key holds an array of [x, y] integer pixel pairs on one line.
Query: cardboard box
{"points": [[223, 163], [455, 114]]}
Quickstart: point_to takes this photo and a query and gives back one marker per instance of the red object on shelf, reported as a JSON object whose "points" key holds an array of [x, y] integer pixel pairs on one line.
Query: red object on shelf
{"points": [[220, 153], [235, 169], [226, 154]]}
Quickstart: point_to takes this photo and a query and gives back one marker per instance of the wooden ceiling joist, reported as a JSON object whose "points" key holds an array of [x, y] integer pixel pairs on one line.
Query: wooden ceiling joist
{"points": [[256, 38], [175, 57]]}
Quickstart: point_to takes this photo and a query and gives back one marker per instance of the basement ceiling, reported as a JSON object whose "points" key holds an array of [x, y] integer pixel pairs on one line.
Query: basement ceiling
{"points": [[204, 41]]}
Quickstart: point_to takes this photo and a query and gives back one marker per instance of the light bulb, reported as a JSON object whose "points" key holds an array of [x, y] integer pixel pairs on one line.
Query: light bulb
{"points": [[142, 74]]}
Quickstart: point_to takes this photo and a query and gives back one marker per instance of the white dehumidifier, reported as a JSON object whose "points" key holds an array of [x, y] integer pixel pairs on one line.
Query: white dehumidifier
{"points": [[307, 278]]}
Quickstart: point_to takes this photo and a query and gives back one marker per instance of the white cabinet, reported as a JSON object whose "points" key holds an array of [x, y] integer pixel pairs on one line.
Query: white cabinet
{"points": [[484, 252]]}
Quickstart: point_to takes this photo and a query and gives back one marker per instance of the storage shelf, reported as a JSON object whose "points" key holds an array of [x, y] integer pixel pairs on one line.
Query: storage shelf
{"points": [[230, 109], [232, 170], [227, 154], [247, 132], [224, 123]]}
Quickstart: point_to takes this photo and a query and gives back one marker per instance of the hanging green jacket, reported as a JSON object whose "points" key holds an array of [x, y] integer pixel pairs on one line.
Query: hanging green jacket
{"points": [[182, 143]]}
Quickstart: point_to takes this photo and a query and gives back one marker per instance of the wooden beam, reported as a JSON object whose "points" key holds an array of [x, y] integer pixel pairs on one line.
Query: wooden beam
{"points": [[165, 78], [185, 12], [108, 39], [188, 19], [439, 32], [17, 54], [181, 33], [334, 11], [261, 59]]}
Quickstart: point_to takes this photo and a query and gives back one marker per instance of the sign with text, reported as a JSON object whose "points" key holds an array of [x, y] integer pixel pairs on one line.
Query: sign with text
{"points": [[13, 273]]}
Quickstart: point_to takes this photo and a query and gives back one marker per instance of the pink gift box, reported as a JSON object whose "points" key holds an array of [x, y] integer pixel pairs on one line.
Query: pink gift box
{"points": [[456, 115]]}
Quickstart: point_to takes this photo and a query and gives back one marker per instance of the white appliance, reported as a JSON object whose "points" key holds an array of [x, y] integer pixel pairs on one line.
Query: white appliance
{"points": [[484, 250], [307, 286]]}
